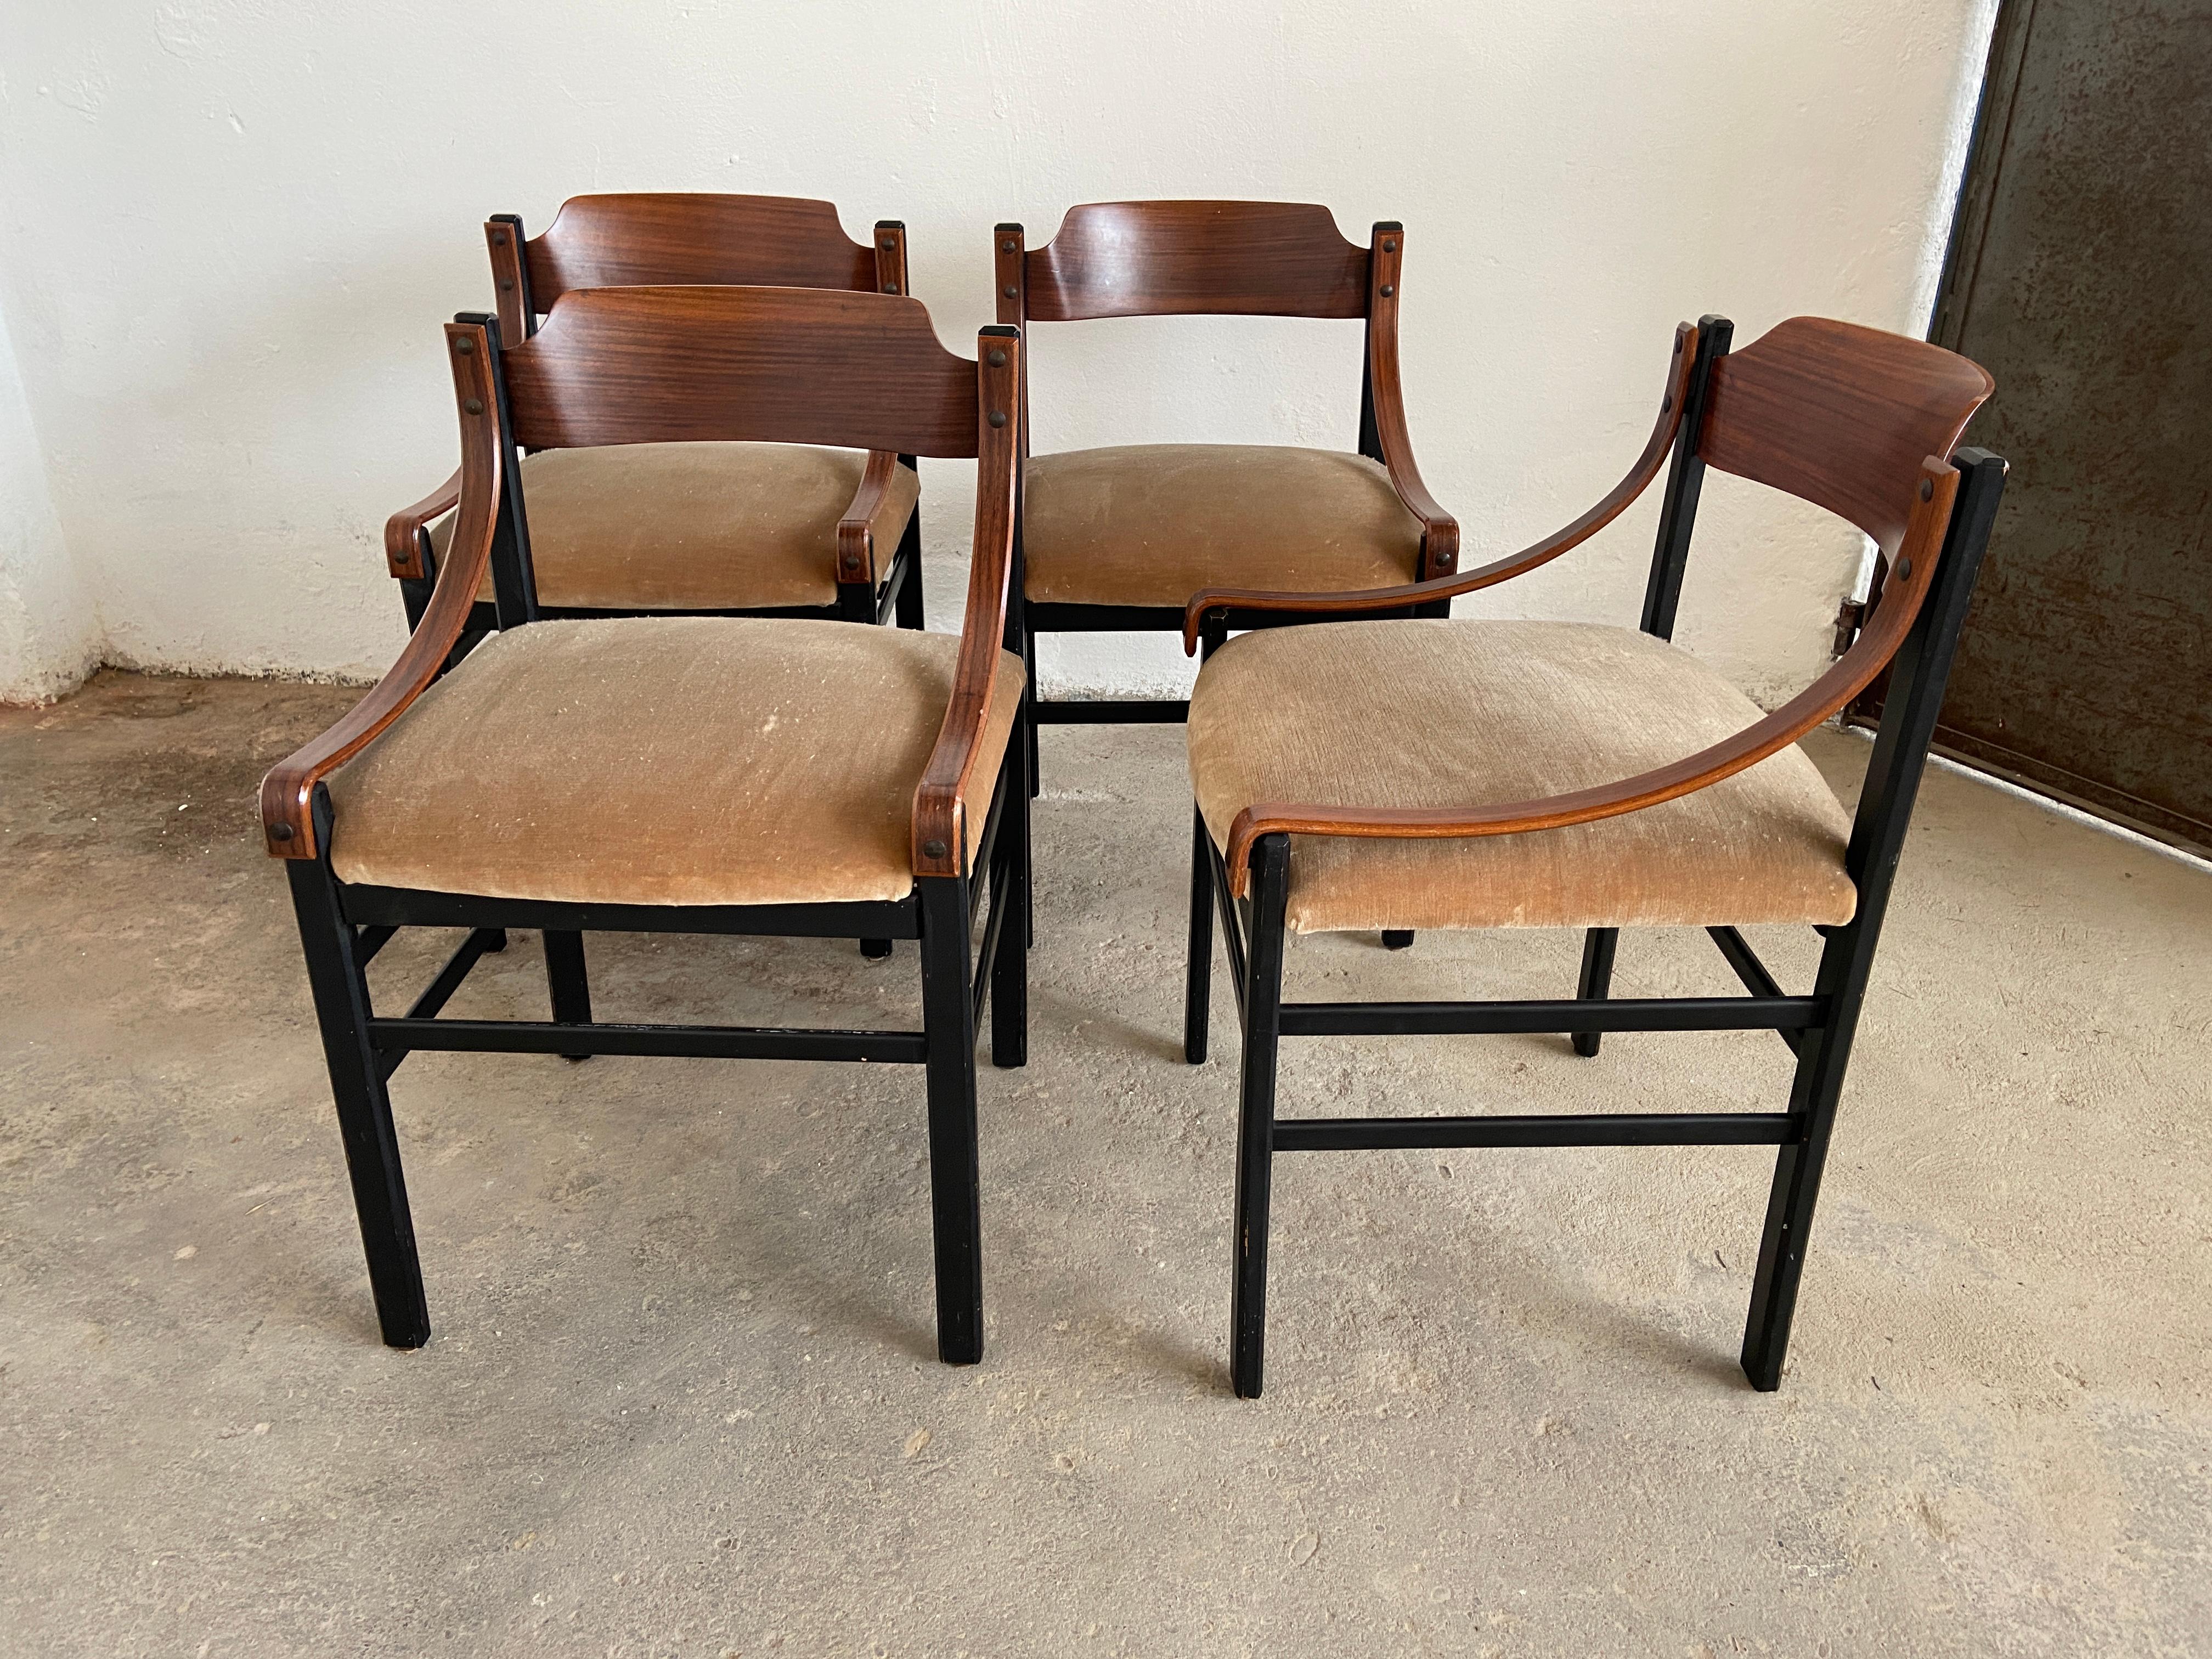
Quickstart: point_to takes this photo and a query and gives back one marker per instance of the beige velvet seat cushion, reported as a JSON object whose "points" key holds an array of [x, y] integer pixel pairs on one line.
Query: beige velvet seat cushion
{"points": [[694, 526], [1152, 524], [664, 760], [1464, 713]]}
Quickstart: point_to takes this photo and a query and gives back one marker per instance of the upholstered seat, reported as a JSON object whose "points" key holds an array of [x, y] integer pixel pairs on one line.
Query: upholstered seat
{"points": [[664, 760], [690, 526], [1152, 524], [1435, 713]]}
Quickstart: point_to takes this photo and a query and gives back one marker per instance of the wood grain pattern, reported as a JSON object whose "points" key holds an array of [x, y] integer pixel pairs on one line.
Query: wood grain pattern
{"points": [[1648, 467], [664, 240], [1189, 258], [783, 365], [402, 540], [940, 831], [1840, 416], [1439, 529], [286, 793], [1920, 544]]}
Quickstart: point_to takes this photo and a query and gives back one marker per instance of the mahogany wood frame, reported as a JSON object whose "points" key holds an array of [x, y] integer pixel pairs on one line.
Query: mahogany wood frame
{"points": [[641, 365], [1196, 257], [648, 240], [1850, 419]]}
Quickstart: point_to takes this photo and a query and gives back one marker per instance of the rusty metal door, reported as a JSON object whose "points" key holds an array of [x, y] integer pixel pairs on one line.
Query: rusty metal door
{"points": [[2081, 277]]}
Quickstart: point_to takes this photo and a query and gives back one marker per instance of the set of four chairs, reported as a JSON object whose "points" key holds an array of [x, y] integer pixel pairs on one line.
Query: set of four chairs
{"points": [[653, 685]]}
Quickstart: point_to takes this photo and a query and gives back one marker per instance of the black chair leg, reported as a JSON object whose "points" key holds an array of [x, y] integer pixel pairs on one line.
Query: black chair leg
{"points": [[1397, 938], [876, 949], [1598, 944], [1029, 708], [1010, 897], [364, 1107], [908, 608], [568, 981], [1255, 1122], [949, 1028], [1198, 984], [1813, 1095]]}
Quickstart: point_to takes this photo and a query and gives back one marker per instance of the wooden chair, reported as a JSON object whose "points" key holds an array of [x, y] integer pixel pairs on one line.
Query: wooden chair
{"points": [[705, 774], [692, 528], [1569, 774], [1120, 538]]}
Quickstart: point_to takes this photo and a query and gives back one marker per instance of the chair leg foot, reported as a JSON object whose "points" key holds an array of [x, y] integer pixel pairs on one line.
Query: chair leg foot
{"points": [[1397, 938], [1010, 887], [1256, 1119], [875, 950], [1598, 945], [954, 1179], [364, 1109], [569, 981], [1774, 1284]]}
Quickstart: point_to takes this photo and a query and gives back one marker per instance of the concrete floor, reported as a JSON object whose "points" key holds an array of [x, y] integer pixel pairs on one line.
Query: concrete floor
{"points": [[681, 1400]]}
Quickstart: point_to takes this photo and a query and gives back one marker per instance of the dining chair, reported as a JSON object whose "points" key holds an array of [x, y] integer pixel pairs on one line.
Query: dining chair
{"points": [[799, 777], [1118, 539], [1570, 775], [737, 528]]}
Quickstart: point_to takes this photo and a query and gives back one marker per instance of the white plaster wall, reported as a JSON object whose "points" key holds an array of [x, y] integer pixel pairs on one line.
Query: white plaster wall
{"points": [[50, 636], [232, 228]]}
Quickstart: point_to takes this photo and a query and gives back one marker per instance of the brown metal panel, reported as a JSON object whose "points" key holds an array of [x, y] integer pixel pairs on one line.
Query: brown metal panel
{"points": [[2081, 277]]}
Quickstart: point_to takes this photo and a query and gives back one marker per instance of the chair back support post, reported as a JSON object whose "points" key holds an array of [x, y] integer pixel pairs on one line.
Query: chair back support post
{"points": [[1009, 289], [1918, 673], [1678, 510], [891, 256], [513, 577], [510, 276], [1370, 433]]}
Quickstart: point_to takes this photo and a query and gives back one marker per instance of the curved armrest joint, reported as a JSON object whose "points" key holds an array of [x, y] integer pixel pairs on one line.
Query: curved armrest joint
{"points": [[1648, 466], [402, 531], [1920, 550], [939, 843], [867, 516], [288, 823]]}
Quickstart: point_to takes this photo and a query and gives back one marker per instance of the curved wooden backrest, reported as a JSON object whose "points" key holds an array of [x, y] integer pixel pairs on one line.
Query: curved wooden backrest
{"points": [[649, 240], [1839, 416], [1188, 258], [780, 365]]}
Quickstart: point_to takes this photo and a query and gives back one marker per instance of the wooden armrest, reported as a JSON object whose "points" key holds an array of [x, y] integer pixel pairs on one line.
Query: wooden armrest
{"points": [[1439, 529], [1855, 670], [1617, 501], [288, 823], [864, 518], [402, 538], [940, 810]]}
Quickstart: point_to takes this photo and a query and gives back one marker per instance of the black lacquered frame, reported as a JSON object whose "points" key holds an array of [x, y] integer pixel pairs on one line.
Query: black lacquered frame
{"points": [[1818, 1029], [342, 925]]}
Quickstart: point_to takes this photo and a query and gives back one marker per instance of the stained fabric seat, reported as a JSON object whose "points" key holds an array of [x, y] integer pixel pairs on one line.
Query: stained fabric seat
{"points": [[1462, 713], [676, 760], [1152, 524], [690, 526]]}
